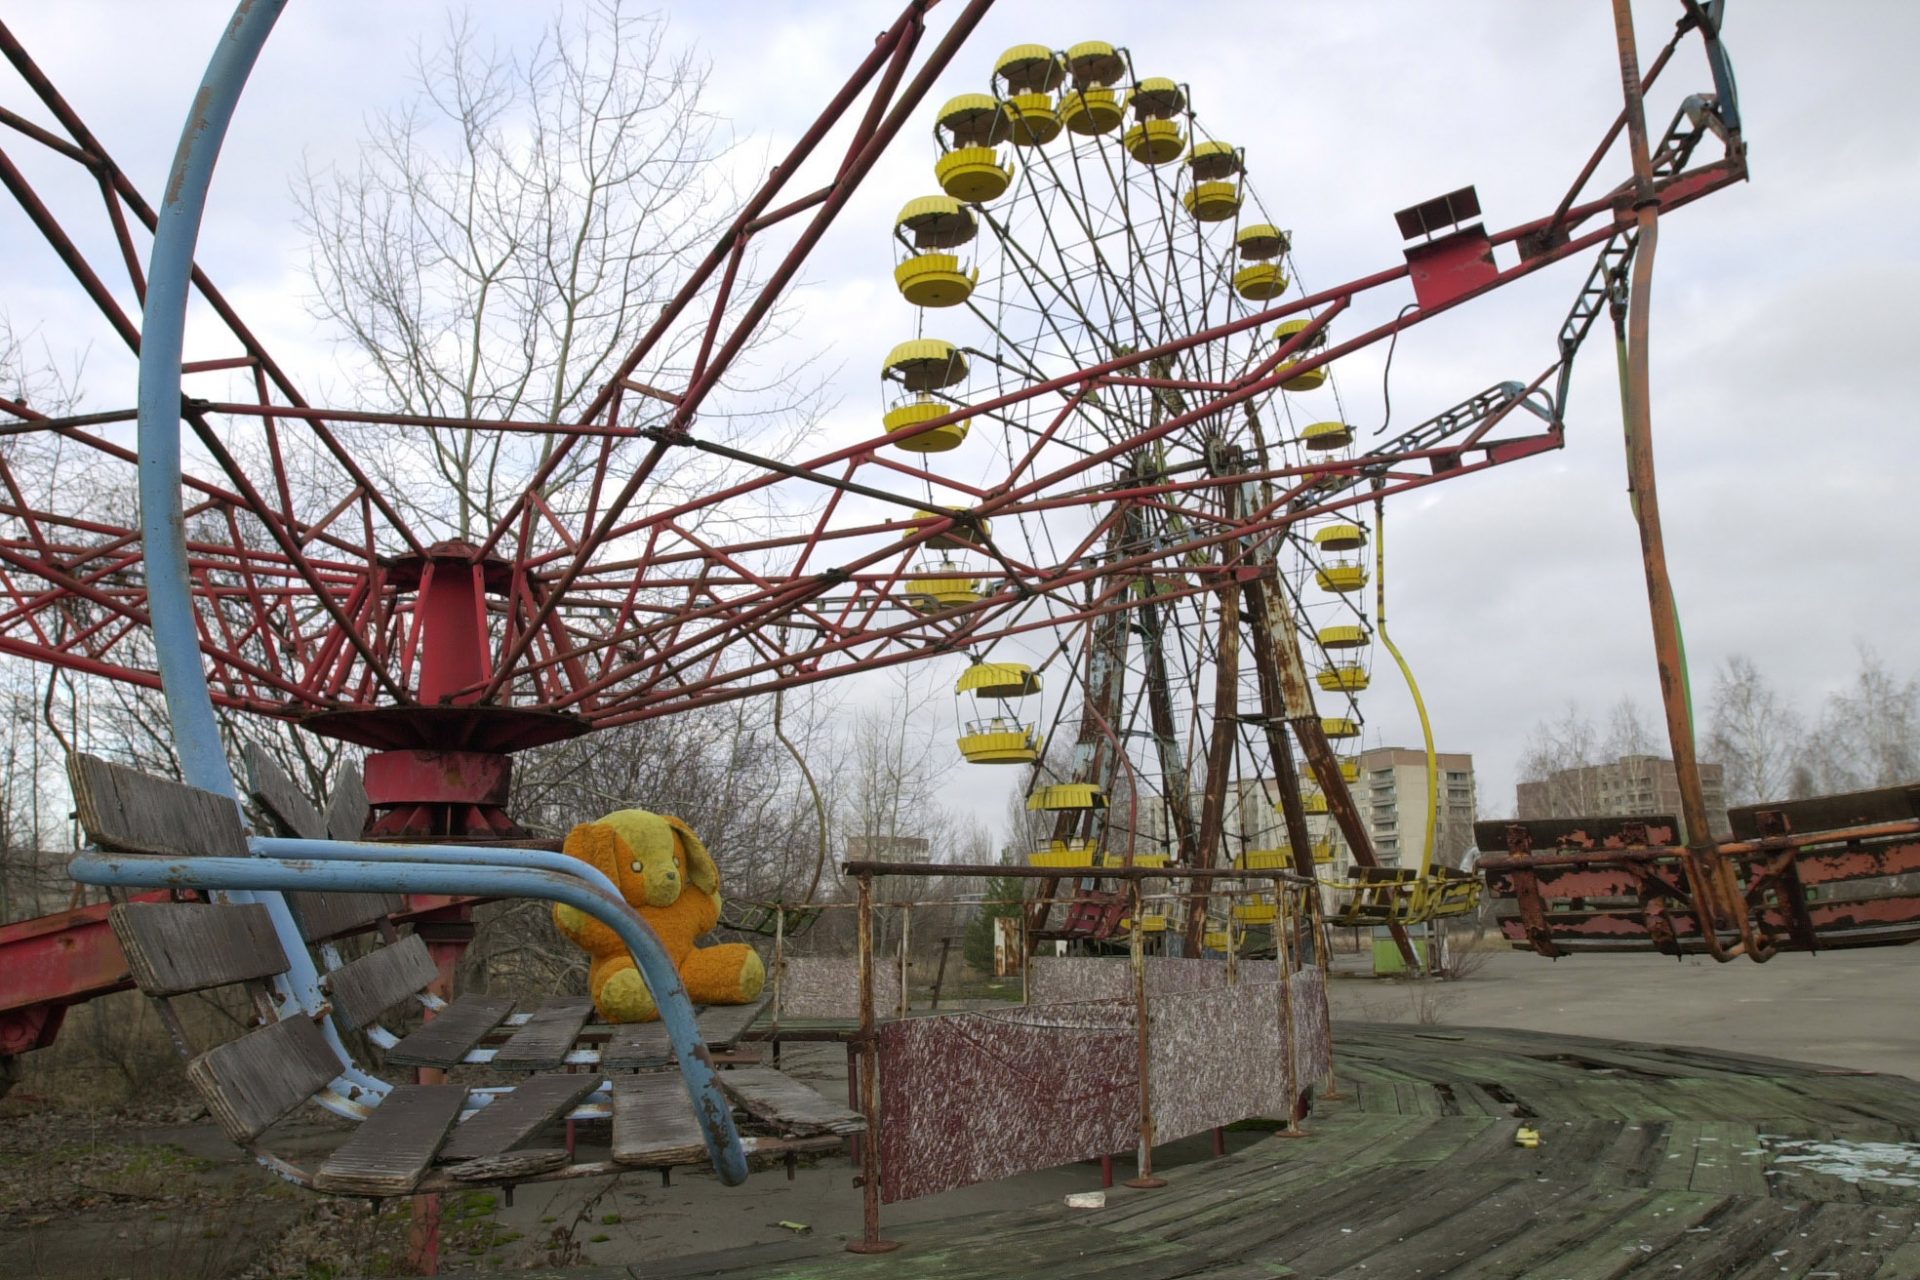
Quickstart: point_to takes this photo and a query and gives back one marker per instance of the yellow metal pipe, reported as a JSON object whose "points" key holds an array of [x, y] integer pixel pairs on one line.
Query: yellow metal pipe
{"points": [[1419, 703]]}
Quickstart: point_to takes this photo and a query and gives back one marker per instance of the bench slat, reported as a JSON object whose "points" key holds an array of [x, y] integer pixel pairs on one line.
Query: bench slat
{"points": [[347, 807], [514, 1166], [285, 802], [125, 809], [366, 988], [391, 1150], [251, 1082], [542, 1043], [723, 1024], [780, 1100], [642, 1046], [653, 1122], [329, 915], [320, 915], [173, 948], [511, 1119], [452, 1033], [637, 1046]]}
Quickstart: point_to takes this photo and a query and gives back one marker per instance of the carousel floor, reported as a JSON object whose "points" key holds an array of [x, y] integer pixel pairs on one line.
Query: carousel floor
{"points": [[1652, 1162]]}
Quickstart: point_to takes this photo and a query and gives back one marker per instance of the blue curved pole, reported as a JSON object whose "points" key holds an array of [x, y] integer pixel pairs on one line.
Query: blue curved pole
{"points": [[203, 761], [284, 875], [170, 611]]}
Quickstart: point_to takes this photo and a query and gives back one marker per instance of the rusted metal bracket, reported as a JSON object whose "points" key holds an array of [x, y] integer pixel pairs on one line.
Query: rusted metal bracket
{"points": [[1526, 887]]}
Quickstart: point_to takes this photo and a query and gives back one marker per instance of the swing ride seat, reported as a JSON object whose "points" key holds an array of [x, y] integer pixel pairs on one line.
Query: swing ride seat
{"points": [[521, 1072], [1093, 915], [1830, 871], [1450, 892], [1378, 895]]}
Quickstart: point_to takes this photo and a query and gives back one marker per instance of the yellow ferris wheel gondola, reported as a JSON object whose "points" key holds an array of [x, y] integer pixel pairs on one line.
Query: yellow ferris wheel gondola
{"points": [[929, 273], [995, 734], [1031, 72], [1262, 247], [923, 366], [1215, 168], [1064, 853], [1092, 106], [1344, 536], [947, 585], [1343, 677], [1157, 138], [1342, 636], [1326, 435], [1341, 576], [1309, 379], [971, 168], [1063, 797]]}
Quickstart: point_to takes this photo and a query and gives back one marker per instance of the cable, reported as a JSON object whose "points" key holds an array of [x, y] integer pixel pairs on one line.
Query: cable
{"points": [[1386, 391]]}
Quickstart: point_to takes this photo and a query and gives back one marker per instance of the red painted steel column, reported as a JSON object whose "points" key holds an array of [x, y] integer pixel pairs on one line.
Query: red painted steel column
{"points": [[453, 641]]}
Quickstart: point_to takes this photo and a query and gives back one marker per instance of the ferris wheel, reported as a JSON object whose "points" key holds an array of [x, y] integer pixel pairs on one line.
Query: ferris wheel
{"points": [[1085, 213]]}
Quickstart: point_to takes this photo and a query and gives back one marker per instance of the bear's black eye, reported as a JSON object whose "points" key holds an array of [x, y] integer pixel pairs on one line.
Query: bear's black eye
{"points": [[636, 866]]}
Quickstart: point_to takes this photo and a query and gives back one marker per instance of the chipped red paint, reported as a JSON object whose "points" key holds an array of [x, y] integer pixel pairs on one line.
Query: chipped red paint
{"points": [[1620, 884]]}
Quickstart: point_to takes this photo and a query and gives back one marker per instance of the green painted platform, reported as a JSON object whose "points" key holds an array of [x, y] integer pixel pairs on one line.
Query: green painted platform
{"points": [[1654, 1162]]}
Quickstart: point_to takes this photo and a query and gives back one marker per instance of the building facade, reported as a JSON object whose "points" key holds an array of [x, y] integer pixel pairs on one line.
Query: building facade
{"points": [[1392, 794], [1632, 786]]}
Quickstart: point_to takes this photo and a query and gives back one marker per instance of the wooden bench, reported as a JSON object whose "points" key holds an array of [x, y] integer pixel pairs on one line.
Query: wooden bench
{"points": [[412, 1137]]}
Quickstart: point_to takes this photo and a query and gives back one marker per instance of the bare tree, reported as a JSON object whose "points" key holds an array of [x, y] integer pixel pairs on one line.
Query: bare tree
{"points": [[1755, 735], [1868, 734], [506, 237], [1628, 733], [1557, 756]]}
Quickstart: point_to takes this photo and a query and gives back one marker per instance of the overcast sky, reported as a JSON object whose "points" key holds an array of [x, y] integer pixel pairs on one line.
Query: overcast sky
{"points": [[1782, 375]]}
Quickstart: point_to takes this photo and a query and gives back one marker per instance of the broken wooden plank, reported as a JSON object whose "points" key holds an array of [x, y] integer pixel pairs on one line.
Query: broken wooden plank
{"points": [[122, 808], [447, 1038], [251, 1082], [390, 1152], [513, 1166], [366, 988], [653, 1122], [347, 807], [176, 947], [542, 1043], [786, 1103], [512, 1118], [283, 800]]}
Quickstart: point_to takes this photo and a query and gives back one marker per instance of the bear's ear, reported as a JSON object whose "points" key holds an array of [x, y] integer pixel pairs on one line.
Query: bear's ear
{"points": [[596, 844], [700, 865]]}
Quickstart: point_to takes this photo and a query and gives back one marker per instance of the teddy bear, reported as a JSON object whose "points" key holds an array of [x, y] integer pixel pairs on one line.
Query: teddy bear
{"points": [[667, 875]]}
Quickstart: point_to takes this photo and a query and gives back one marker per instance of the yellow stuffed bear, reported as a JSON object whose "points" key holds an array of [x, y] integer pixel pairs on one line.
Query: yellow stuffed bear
{"points": [[667, 875]]}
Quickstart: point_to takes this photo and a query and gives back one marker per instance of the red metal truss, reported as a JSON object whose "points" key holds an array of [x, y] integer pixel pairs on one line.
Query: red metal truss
{"points": [[320, 599]]}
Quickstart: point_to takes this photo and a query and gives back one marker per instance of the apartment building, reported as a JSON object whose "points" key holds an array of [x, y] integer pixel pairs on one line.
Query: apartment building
{"points": [[1632, 786], [1392, 794]]}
